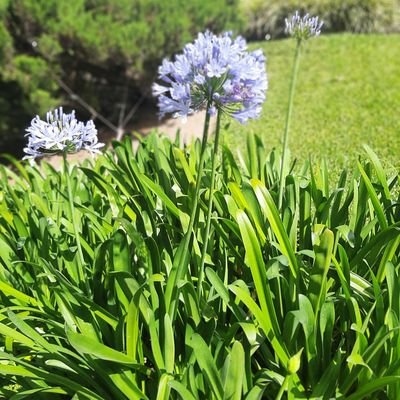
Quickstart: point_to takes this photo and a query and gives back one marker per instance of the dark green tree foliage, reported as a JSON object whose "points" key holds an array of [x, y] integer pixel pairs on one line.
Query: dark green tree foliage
{"points": [[106, 51]]}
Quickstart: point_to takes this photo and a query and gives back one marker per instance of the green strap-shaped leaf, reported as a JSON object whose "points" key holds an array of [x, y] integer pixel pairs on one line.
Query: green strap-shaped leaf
{"points": [[366, 390], [222, 291], [86, 345], [29, 394], [379, 240], [169, 345], [181, 390], [126, 384], [323, 256], [132, 330], [7, 290], [233, 386], [268, 207], [256, 263], [163, 392], [264, 321], [207, 364], [155, 343], [326, 386], [180, 156], [27, 370], [374, 198], [17, 336], [380, 173], [159, 192]]}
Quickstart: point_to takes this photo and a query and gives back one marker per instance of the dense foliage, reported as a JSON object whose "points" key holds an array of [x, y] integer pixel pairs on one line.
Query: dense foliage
{"points": [[304, 300], [361, 16], [106, 51]]}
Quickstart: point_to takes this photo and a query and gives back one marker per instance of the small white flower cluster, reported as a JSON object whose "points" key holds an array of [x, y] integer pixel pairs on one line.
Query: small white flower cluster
{"points": [[60, 133], [303, 27]]}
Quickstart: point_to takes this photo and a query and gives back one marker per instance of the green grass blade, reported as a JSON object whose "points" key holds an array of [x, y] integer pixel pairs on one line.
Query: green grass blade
{"points": [[264, 320], [269, 208], [126, 385], [323, 255], [223, 292], [256, 263], [86, 345], [370, 387], [207, 364], [27, 394], [26, 370], [233, 386], [163, 392], [132, 330], [374, 198], [160, 193], [6, 331], [169, 345], [7, 290], [380, 173], [156, 345], [181, 390]]}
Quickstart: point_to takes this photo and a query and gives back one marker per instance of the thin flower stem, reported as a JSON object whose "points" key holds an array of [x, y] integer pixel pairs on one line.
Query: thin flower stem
{"points": [[283, 388], [172, 290], [288, 118], [209, 206], [81, 260], [201, 167]]}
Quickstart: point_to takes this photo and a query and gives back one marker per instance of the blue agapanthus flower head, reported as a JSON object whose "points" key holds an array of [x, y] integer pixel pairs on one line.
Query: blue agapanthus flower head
{"points": [[213, 72], [60, 133], [303, 27]]}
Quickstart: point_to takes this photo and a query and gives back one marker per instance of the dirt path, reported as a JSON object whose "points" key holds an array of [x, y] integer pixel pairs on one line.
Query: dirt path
{"points": [[190, 129]]}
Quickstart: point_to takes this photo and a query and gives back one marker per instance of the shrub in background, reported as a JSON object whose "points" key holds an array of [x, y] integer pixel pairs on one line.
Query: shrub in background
{"points": [[266, 17], [45, 42]]}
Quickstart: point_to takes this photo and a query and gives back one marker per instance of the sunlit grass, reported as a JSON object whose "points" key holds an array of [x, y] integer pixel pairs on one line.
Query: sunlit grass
{"points": [[348, 94]]}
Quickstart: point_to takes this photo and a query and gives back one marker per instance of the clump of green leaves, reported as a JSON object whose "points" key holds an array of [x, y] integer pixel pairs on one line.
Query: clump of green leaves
{"points": [[304, 304]]}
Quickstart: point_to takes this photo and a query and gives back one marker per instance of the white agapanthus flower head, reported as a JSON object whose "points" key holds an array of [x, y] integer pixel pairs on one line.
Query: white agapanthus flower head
{"points": [[303, 27], [60, 133]]}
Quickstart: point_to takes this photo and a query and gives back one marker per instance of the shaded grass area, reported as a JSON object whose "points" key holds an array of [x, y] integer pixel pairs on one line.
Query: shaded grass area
{"points": [[348, 94]]}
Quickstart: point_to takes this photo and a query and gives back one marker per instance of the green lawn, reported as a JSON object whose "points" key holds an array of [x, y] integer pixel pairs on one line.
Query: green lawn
{"points": [[348, 93]]}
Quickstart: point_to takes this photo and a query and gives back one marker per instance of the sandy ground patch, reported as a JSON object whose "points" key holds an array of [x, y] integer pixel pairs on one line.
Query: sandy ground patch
{"points": [[189, 129]]}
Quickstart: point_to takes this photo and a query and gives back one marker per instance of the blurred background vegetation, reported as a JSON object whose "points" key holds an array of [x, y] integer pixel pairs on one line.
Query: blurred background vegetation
{"points": [[100, 56], [104, 51], [358, 16]]}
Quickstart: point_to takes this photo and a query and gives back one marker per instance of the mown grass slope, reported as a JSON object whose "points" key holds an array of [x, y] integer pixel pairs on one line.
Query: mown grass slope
{"points": [[348, 93]]}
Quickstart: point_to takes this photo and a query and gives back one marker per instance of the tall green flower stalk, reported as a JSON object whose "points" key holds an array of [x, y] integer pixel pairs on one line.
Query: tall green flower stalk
{"points": [[295, 70], [219, 74], [62, 133], [182, 258], [301, 28], [80, 275], [210, 204]]}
